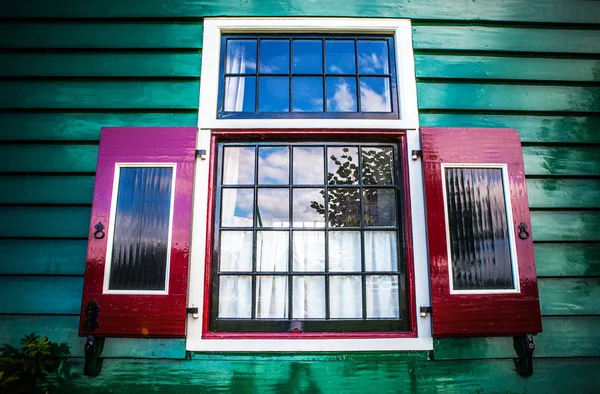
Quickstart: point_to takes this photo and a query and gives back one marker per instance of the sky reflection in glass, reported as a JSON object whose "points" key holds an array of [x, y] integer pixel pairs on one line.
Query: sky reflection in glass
{"points": [[308, 57], [274, 94], [307, 94], [340, 57], [274, 56], [273, 166]]}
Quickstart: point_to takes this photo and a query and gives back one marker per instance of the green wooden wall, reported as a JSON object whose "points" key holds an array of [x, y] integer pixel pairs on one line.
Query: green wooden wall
{"points": [[69, 67]]}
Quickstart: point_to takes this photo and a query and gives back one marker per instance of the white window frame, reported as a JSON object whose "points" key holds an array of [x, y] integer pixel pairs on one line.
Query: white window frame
{"points": [[408, 120]]}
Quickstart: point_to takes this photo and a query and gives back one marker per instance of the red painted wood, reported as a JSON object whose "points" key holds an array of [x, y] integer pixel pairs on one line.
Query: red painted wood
{"points": [[478, 314], [141, 315], [396, 136]]}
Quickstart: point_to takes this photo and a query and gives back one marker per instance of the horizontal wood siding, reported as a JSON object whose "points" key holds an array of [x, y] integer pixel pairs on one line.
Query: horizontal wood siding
{"points": [[70, 67]]}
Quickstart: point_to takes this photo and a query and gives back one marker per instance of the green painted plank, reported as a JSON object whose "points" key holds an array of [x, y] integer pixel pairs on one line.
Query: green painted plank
{"points": [[336, 373], [81, 126], [563, 193], [493, 97], [573, 226], [565, 11], [483, 38], [55, 222], [46, 189], [39, 257], [100, 64], [100, 94], [569, 259], [509, 68], [561, 161], [48, 158], [562, 337], [144, 348], [570, 129], [569, 296], [101, 35], [43, 295]]}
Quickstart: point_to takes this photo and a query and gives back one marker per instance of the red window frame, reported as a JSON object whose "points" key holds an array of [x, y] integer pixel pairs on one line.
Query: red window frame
{"points": [[396, 136]]}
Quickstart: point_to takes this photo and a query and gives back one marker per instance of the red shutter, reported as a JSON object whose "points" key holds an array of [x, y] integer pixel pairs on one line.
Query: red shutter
{"points": [[477, 312], [158, 312]]}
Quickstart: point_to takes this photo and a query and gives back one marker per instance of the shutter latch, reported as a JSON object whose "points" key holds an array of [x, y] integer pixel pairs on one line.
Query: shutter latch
{"points": [[524, 346], [201, 153], [425, 310], [193, 311]]}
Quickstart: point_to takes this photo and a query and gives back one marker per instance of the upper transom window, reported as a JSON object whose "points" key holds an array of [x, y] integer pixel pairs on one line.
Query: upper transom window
{"points": [[307, 76]]}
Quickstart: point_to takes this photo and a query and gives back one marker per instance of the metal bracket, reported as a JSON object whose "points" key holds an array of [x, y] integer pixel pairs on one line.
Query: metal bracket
{"points": [[201, 153], [92, 310], [93, 362], [415, 154], [524, 346], [193, 311], [424, 310]]}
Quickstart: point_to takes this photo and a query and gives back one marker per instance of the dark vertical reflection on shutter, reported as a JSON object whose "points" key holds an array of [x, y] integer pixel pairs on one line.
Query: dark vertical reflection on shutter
{"points": [[478, 225], [139, 255]]}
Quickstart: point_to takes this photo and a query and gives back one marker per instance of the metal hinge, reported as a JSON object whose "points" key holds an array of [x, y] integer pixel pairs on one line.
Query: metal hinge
{"points": [[425, 310]]}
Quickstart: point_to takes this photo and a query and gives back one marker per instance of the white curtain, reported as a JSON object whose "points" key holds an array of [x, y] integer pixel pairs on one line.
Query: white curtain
{"points": [[272, 252], [381, 253], [234, 88]]}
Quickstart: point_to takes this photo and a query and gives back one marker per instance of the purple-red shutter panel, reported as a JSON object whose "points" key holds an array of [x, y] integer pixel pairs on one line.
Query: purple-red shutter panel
{"points": [[482, 265], [139, 235]]}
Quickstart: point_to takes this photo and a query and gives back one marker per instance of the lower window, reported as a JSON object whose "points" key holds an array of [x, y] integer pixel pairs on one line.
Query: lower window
{"points": [[308, 237]]}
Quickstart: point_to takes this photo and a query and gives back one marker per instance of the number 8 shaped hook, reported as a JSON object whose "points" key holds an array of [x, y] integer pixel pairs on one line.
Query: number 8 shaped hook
{"points": [[99, 234], [523, 234]]}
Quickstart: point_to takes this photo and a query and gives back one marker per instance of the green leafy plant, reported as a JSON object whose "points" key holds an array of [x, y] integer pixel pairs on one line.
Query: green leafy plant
{"points": [[23, 369]]}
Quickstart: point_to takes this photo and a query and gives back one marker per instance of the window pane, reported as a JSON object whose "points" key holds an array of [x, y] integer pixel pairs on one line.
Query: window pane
{"points": [[345, 297], [240, 94], [238, 166], [375, 95], [340, 57], [241, 57], [379, 207], [343, 207], [382, 297], [272, 297], [342, 165], [236, 251], [309, 251], [273, 208], [274, 94], [307, 94], [272, 251], [308, 57], [341, 94], [381, 251], [377, 164], [236, 207], [273, 166], [373, 57], [309, 297], [308, 166], [344, 251], [274, 56], [477, 221], [309, 208], [235, 296], [141, 231]]}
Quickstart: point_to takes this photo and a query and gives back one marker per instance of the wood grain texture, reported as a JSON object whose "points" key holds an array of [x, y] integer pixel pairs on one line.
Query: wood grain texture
{"points": [[51, 222], [565, 225], [572, 296], [40, 295], [563, 193], [562, 160], [100, 94], [39, 189], [100, 64], [563, 11], [42, 257], [567, 259]]}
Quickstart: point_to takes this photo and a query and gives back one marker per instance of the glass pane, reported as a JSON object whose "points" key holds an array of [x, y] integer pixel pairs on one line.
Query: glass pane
{"points": [[236, 251], [382, 297], [344, 207], [238, 166], [309, 208], [307, 94], [375, 95], [236, 207], [274, 56], [309, 297], [341, 94], [273, 208], [342, 165], [379, 207], [309, 251], [477, 221], [240, 94], [273, 166], [241, 57], [274, 94], [344, 251], [377, 165], [272, 251], [308, 166], [235, 297], [381, 251], [272, 297], [308, 57], [345, 297], [141, 232], [373, 57], [340, 57]]}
